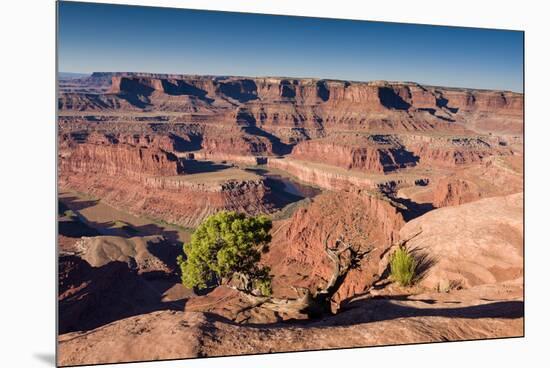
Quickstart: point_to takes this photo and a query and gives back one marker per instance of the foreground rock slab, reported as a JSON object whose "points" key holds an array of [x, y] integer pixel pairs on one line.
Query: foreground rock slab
{"points": [[471, 244], [374, 322]]}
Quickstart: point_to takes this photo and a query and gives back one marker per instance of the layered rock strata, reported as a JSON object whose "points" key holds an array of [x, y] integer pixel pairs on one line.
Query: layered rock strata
{"points": [[149, 181], [298, 255], [307, 104]]}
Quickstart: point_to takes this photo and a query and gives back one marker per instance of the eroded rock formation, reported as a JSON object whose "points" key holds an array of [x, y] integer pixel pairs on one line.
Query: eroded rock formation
{"points": [[372, 153], [282, 105], [438, 169], [298, 253], [119, 159], [149, 181]]}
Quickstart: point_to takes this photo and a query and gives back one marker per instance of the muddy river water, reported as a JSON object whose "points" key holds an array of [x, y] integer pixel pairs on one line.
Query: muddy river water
{"points": [[284, 184], [286, 192]]}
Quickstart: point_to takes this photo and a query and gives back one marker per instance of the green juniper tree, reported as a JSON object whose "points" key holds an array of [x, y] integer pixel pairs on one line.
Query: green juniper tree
{"points": [[226, 249]]}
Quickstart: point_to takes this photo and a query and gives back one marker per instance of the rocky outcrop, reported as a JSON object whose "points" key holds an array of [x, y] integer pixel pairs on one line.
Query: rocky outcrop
{"points": [[471, 244], [487, 111], [72, 101], [511, 103], [449, 156], [448, 317], [493, 176], [310, 104], [146, 180], [178, 140], [314, 260], [383, 153], [298, 254], [171, 148], [93, 296], [236, 144], [144, 254], [137, 339], [230, 157], [321, 176], [113, 158], [452, 191], [449, 151], [373, 153], [176, 201], [305, 90], [336, 178]]}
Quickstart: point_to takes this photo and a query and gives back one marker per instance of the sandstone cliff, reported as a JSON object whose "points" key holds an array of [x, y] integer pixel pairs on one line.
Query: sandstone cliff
{"points": [[281, 105], [148, 181], [119, 159], [387, 155], [298, 256], [374, 153], [493, 176]]}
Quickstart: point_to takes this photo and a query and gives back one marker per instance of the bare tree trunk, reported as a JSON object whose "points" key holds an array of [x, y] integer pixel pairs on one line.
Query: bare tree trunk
{"points": [[317, 303]]}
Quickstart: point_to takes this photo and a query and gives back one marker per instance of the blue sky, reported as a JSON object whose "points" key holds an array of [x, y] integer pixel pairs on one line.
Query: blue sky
{"points": [[100, 37]]}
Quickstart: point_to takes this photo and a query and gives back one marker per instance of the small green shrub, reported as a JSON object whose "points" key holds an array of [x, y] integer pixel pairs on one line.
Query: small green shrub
{"points": [[403, 266]]}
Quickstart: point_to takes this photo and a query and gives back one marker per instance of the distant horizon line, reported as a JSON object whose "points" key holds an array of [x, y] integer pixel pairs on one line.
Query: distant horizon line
{"points": [[290, 77]]}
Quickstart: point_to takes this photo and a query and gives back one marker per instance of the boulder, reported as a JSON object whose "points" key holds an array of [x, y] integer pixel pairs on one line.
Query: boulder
{"points": [[471, 244]]}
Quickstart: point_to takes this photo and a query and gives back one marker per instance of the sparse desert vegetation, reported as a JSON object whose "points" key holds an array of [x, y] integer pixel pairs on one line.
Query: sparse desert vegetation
{"points": [[248, 215], [403, 266]]}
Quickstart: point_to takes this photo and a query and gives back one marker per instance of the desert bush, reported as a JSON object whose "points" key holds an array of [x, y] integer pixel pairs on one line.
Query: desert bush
{"points": [[226, 249], [403, 266]]}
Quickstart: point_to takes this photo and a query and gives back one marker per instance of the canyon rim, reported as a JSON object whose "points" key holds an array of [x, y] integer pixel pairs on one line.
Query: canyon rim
{"points": [[347, 173]]}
